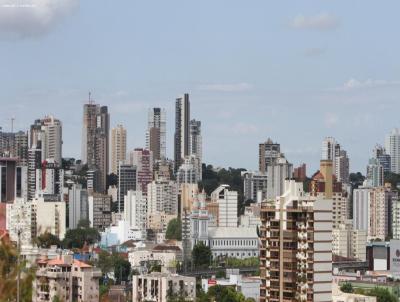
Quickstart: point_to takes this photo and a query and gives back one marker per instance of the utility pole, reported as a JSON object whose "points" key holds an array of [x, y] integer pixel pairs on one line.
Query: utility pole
{"points": [[18, 265]]}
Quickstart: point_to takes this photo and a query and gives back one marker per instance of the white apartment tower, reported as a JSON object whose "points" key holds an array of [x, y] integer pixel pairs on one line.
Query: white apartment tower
{"points": [[227, 201], [392, 146], [49, 132], [135, 211], [118, 147], [162, 197]]}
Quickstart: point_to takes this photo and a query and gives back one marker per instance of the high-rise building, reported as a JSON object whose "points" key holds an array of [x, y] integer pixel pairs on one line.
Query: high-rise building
{"points": [[50, 216], [182, 130], [143, 160], [300, 173], [49, 132], [383, 158], [268, 153], [99, 211], [227, 201], [296, 247], [396, 218], [190, 171], [14, 144], [392, 146], [34, 163], [342, 167], [331, 150], [21, 219], [118, 147], [195, 143], [375, 173], [254, 186], [13, 180], [361, 208], [126, 181], [162, 197], [95, 140], [50, 178], [156, 133], [277, 172], [380, 212], [135, 211], [78, 205]]}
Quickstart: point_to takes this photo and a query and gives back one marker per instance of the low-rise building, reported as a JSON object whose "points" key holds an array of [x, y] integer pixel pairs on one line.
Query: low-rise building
{"points": [[158, 287], [65, 278], [164, 254], [249, 287]]}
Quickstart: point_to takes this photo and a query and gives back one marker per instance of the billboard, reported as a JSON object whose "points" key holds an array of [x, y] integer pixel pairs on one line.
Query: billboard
{"points": [[395, 255]]}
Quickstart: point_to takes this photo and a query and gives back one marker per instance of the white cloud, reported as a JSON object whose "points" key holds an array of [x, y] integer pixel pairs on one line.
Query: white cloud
{"points": [[314, 52], [233, 87], [244, 128], [331, 120], [322, 21], [27, 18], [369, 83]]}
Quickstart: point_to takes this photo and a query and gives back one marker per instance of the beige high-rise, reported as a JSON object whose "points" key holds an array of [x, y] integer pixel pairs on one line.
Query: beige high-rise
{"points": [[118, 147]]}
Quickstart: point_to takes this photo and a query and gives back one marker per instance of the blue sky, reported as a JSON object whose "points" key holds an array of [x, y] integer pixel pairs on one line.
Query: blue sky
{"points": [[295, 71]]}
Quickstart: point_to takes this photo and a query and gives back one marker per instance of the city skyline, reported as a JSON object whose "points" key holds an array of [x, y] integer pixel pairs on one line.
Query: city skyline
{"points": [[265, 77]]}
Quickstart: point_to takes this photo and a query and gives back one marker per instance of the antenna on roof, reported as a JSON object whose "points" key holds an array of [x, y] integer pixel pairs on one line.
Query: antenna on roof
{"points": [[90, 99], [12, 124]]}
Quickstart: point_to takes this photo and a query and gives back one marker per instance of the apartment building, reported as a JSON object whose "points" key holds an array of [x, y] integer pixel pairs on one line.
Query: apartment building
{"points": [[66, 278], [296, 247]]}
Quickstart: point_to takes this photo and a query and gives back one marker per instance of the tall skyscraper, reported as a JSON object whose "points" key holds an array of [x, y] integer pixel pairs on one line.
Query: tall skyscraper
{"points": [[34, 163], [156, 133], [196, 140], [268, 153], [392, 146], [118, 147], [49, 132], [95, 140], [383, 158], [277, 172], [182, 131], [331, 150]]}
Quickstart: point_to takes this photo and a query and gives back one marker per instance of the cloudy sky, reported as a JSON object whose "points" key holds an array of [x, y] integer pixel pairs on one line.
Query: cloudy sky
{"points": [[295, 71]]}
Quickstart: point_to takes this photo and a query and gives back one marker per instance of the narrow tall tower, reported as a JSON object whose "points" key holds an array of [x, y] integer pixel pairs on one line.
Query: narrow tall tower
{"points": [[95, 140], [182, 135], [118, 147], [156, 133]]}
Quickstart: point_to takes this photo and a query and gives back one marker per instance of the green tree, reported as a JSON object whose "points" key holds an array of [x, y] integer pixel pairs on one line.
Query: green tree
{"points": [[201, 255], [174, 230], [77, 238], [122, 269], [47, 239], [382, 294], [347, 287], [83, 224], [224, 294], [9, 268], [104, 262]]}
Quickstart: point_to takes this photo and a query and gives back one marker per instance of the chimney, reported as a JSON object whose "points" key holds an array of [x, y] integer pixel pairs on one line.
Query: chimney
{"points": [[327, 171]]}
